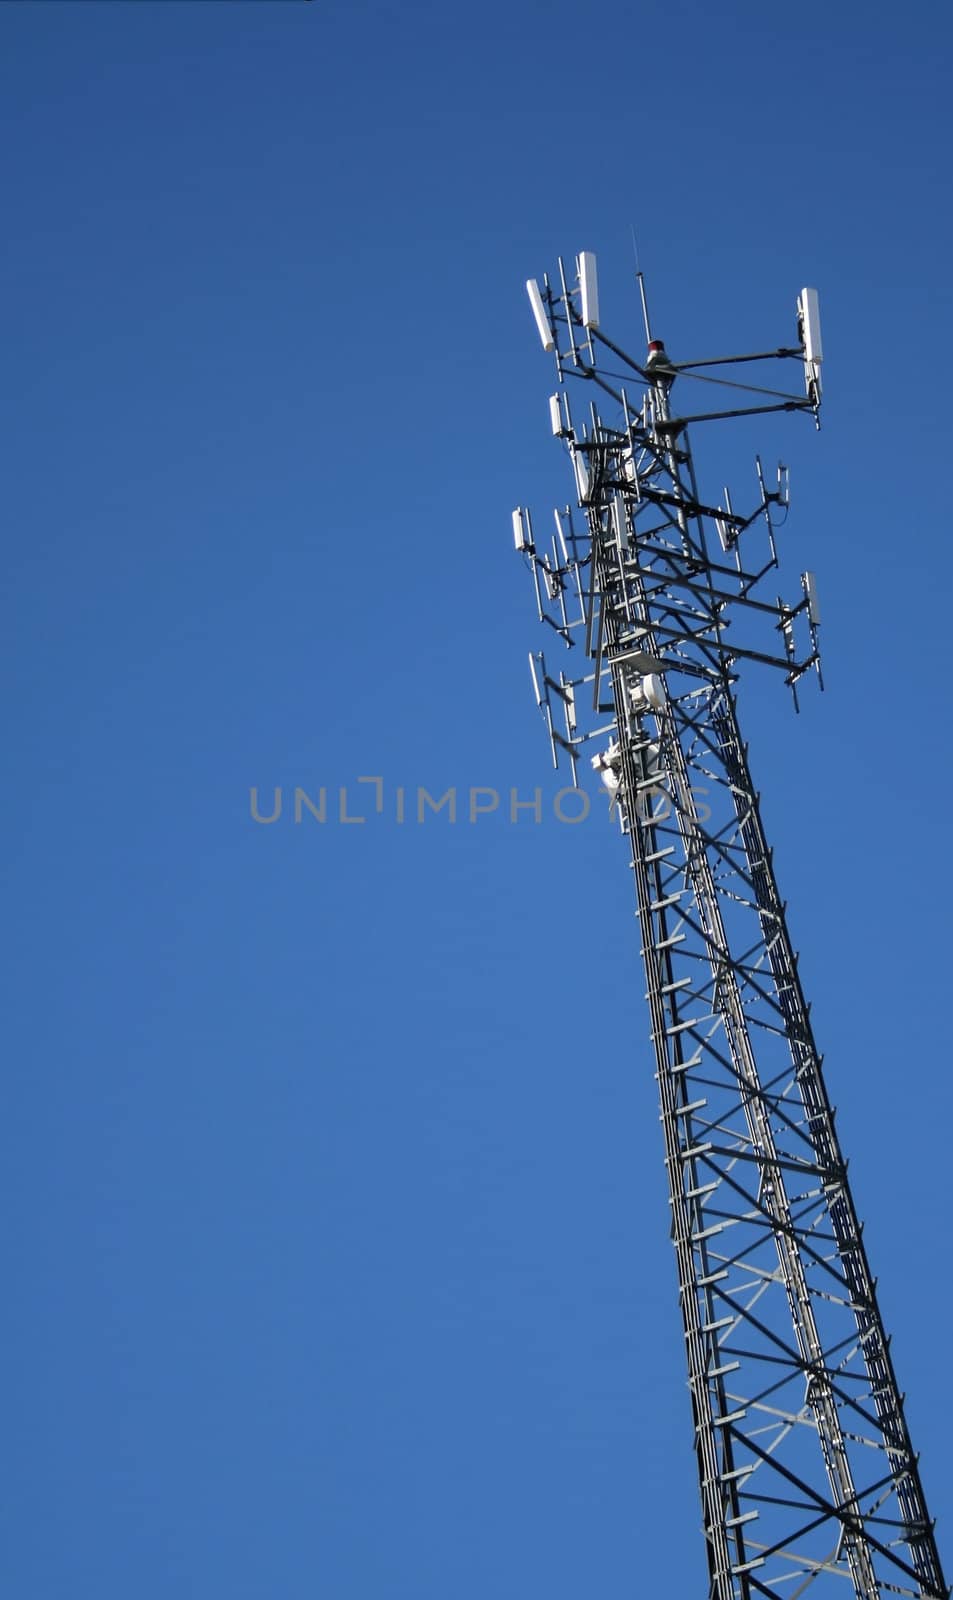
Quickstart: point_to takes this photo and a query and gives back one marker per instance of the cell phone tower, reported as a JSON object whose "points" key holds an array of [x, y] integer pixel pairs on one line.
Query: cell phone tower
{"points": [[805, 1466]]}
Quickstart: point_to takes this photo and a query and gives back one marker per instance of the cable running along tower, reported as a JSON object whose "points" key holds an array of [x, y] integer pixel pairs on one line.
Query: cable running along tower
{"points": [[805, 1466]]}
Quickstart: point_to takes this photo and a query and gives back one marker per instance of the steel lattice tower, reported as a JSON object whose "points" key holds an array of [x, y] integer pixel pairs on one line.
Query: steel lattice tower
{"points": [[805, 1465]]}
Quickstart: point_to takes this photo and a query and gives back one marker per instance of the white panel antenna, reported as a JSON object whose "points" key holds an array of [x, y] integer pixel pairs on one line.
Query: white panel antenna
{"points": [[561, 537], [809, 313], [619, 523], [532, 673], [589, 289], [809, 325], [556, 415], [539, 312], [582, 477], [809, 585], [521, 539]]}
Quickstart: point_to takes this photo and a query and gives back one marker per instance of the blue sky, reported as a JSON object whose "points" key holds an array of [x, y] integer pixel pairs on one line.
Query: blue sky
{"points": [[336, 1256]]}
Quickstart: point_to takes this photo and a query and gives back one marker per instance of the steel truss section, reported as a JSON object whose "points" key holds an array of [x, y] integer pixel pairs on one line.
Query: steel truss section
{"points": [[805, 1464]]}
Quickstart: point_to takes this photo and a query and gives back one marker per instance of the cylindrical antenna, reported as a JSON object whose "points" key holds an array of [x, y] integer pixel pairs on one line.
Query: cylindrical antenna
{"points": [[641, 283], [645, 308]]}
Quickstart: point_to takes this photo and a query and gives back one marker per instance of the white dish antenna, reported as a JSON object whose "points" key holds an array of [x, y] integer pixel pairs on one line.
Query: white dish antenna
{"points": [[606, 763], [648, 694], [654, 691]]}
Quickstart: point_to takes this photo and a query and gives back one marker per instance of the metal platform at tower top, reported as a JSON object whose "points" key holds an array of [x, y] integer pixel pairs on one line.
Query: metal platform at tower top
{"points": [[806, 1471]]}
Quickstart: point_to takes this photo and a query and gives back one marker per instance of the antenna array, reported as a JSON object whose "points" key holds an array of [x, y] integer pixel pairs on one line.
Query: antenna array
{"points": [[806, 1470]]}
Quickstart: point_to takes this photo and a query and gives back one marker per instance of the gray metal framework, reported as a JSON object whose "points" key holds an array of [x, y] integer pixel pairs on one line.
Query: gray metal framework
{"points": [[806, 1470]]}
